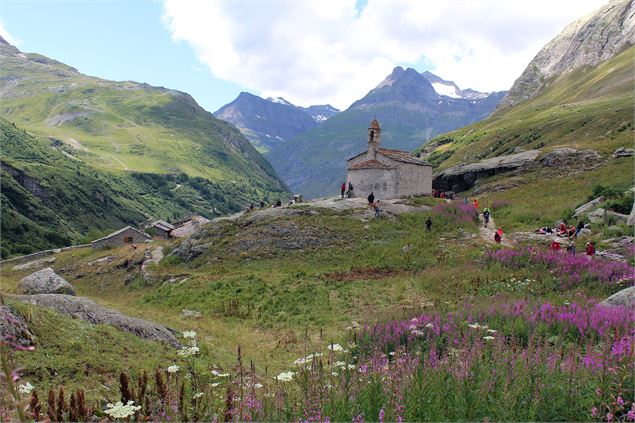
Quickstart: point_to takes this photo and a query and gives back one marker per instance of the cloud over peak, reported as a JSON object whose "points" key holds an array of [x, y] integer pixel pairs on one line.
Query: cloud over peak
{"points": [[328, 51]]}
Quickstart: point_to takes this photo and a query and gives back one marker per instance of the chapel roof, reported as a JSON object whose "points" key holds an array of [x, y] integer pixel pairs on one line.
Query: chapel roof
{"points": [[401, 156], [374, 124], [370, 164]]}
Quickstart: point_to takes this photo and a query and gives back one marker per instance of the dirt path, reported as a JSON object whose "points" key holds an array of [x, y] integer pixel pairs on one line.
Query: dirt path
{"points": [[487, 233]]}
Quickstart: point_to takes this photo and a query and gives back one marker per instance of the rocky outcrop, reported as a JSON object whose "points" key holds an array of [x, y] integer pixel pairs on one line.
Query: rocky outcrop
{"points": [[623, 152], [630, 221], [566, 156], [45, 281], [464, 176], [34, 263], [587, 207], [87, 310], [624, 298], [597, 216], [13, 328], [585, 42]]}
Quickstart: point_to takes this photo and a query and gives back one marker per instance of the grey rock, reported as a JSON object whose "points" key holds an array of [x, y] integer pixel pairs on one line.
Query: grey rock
{"points": [[45, 281], [597, 216], [35, 263], [616, 217], [584, 232], [623, 152], [587, 207], [585, 42], [13, 328], [190, 314], [103, 260], [462, 177], [630, 221], [565, 156], [407, 248], [624, 298], [610, 256], [87, 310]]}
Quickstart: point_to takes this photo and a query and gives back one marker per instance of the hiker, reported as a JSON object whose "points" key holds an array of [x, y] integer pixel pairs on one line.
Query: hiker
{"points": [[262, 204], [349, 193], [134, 247], [343, 188], [500, 232], [497, 237], [571, 231], [476, 204], [377, 209], [485, 217], [563, 227], [465, 200], [555, 245], [429, 224], [579, 228], [571, 248], [442, 195], [434, 193], [251, 206], [278, 203], [371, 198], [590, 249]]}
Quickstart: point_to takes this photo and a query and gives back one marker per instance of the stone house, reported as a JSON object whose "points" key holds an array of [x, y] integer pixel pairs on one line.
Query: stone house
{"points": [[387, 173], [161, 228], [127, 235]]}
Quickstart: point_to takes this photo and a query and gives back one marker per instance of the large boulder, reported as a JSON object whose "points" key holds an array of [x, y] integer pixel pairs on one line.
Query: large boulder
{"points": [[87, 310], [45, 281], [630, 221], [462, 177], [624, 298], [623, 152], [566, 156], [14, 329], [597, 216], [588, 207], [34, 263]]}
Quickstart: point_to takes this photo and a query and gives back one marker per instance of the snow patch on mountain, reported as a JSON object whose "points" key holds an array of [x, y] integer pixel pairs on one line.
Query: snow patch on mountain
{"points": [[446, 89]]}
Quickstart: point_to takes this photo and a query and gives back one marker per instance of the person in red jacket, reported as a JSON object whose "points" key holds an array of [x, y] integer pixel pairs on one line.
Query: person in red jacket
{"points": [[498, 237], [555, 245], [476, 203], [590, 249], [442, 195], [343, 188]]}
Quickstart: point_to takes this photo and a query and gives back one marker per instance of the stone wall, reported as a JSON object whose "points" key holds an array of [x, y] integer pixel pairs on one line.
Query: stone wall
{"points": [[382, 182], [118, 239], [414, 180]]}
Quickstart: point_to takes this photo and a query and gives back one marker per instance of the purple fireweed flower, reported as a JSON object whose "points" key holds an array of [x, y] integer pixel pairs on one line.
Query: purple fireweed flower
{"points": [[381, 416]]}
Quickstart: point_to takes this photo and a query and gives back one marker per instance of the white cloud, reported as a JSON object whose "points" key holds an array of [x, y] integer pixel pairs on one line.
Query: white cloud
{"points": [[314, 52], [7, 36]]}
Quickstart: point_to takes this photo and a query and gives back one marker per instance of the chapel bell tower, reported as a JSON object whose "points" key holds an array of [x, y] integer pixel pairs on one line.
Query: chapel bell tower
{"points": [[374, 138]]}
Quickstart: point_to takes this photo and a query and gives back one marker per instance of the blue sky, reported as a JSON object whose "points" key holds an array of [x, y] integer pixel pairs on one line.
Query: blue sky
{"points": [[310, 52], [123, 40]]}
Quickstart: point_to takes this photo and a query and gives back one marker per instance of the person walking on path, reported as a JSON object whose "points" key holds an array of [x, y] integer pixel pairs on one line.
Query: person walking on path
{"points": [[429, 224], [476, 203], [371, 198], [497, 237], [343, 189], [590, 249], [465, 200], [486, 217], [377, 209], [349, 193]]}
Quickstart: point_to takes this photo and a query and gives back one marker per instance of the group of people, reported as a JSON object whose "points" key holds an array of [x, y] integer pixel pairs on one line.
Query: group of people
{"points": [[349, 192], [252, 206], [374, 204], [589, 247], [442, 194], [563, 230]]}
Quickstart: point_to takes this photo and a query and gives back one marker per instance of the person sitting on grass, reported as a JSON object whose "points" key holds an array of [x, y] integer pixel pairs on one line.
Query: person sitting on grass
{"points": [[563, 228], [571, 231], [590, 249]]}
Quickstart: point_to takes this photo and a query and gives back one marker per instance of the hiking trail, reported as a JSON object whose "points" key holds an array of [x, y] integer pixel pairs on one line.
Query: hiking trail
{"points": [[487, 233]]}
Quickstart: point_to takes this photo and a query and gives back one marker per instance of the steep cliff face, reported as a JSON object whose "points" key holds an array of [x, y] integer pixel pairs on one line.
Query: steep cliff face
{"points": [[588, 41]]}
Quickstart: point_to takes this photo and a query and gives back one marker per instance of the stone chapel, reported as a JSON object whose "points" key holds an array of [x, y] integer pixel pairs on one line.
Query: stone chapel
{"points": [[387, 173]]}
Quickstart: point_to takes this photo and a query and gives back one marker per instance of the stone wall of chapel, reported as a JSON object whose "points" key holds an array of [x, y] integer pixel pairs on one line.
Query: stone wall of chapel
{"points": [[414, 180], [382, 182]]}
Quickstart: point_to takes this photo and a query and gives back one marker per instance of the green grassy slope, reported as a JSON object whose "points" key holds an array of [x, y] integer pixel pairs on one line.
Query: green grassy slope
{"points": [[50, 199], [587, 108]]}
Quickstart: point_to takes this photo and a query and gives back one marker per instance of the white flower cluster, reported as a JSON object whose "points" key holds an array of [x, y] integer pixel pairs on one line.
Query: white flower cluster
{"points": [[335, 347], [25, 388], [308, 359], [488, 338], [189, 334], [188, 351], [121, 411], [197, 395], [173, 368], [285, 376], [217, 374]]}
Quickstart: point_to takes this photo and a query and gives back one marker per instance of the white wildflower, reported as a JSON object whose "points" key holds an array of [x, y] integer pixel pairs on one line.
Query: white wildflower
{"points": [[197, 395], [354, 324], [417, 332], [351, 366], [120, 411], [474, 326], [215, 385], [491, 330], [412, 327], [173, 368], [391, 353], [223, 375], [25, 388], [430, 326], [189, 334], [339, 364], [334, 373], [285, 376], [335, 347], [258, 385], [188, 351], [488, 338]]}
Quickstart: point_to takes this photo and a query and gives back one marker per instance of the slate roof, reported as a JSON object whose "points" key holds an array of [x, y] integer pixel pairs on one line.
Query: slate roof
{"points": [[122, 230], [402, 156], [370, 164], [162, 224]]}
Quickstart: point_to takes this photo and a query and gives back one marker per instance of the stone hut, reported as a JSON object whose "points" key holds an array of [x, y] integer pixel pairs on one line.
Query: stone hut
{"points": [[161, 228], [387, 173], [127, 235], [188, 226]]}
